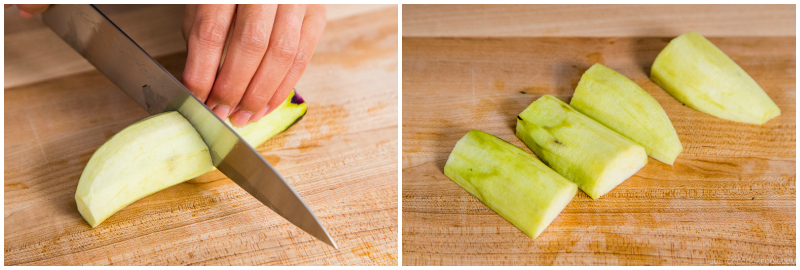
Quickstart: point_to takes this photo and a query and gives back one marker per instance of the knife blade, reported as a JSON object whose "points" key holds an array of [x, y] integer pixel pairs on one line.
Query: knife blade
{"points": [[137, 74]]}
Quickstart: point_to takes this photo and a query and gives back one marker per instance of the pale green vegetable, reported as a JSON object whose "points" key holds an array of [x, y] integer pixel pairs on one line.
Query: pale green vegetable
{"points": [[700, 75], [621, 105], [159, 152], [510, 181], [577, 147], [289, 112]]}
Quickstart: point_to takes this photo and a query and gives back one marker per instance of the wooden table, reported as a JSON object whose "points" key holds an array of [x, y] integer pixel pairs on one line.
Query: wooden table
{"points": [[728, 199], [341, 158]]}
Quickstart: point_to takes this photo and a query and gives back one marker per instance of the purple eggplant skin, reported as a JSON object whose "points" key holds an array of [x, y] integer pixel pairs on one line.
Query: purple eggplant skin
{"points": [[297, 99]]}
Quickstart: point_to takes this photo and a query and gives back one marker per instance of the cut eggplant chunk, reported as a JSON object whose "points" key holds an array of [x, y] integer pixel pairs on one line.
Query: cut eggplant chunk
{"points": [[700, 75], [577, 147], [621, 105], [153, 154], [510, 181], [159, 152]]}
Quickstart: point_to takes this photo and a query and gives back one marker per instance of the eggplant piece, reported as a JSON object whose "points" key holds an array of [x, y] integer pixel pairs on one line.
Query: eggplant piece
{"points": [[287, 114], [621, 105], [700, 75], [510, 181], [577, 147], [158, 152]]}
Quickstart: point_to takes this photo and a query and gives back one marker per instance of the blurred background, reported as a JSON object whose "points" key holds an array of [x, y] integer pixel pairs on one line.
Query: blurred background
{"points": [[597, 20], [33, 53]]}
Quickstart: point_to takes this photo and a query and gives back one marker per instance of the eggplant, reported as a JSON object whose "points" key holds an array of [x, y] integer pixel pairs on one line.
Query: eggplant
{"points": [[700, 75], [620, 104], [158, 152], [577, 147], [510, 181]]}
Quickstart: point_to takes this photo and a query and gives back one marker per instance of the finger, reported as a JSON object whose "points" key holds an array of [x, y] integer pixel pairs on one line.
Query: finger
{"points": [[25, 14], [206, 41], [313, 25], [28, 10], [188, 20], [280, 54], [248, 44]]}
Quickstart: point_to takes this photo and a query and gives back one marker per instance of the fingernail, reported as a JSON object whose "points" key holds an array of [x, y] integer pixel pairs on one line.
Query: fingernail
{"points": [[211, 104], [222, 111], [260, 114], [235, 109], [240, 118]]}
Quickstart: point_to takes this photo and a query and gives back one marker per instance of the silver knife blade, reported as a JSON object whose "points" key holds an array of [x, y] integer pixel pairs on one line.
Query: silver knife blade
{"points": [[137, 74]]}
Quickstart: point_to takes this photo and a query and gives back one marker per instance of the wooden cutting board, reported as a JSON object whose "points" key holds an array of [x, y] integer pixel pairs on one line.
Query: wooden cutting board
{"points": [[728, 199], [598, 20], [341, 158]]}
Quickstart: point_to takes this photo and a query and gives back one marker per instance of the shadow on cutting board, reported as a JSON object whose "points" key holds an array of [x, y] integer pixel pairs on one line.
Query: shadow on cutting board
{"points": [[645, 49]]}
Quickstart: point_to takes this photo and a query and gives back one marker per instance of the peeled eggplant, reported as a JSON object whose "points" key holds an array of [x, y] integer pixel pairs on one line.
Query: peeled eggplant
{"points": [[621, 105], [158, 152], [700, 75], [577, 147], [510, 181]]}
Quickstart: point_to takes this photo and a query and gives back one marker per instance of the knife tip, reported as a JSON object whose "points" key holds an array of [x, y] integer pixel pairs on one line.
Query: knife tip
{"points": [[328, 240]]}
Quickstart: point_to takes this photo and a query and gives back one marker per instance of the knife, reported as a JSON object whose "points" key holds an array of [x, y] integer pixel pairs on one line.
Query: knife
{"points": [[123, 62]]}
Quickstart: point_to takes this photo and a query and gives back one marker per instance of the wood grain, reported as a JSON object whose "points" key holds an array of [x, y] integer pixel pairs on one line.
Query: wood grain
{"points": [[341, 158], [596, 20], [729, 199]]}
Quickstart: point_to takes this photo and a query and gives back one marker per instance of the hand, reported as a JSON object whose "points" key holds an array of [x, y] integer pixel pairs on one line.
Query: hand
{"points": [[28, 10], [269, 47]]}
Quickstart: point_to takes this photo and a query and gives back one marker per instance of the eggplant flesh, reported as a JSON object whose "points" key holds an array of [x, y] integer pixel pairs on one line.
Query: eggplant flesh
{"points": [[577, 147], [700, 75], [620, 104], [158, 152], [513, 183]]}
